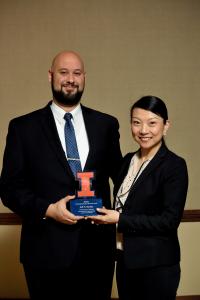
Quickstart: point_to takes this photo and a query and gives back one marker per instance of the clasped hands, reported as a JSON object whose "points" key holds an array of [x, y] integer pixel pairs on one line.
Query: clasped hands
{"points": [[59, 212]]}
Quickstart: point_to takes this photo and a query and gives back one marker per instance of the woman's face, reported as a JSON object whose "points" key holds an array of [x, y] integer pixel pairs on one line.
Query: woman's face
{"points": [[148, 129]]}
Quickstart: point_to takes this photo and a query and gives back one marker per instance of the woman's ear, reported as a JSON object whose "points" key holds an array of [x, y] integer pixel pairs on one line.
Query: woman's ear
{"points": [[166, 127]]}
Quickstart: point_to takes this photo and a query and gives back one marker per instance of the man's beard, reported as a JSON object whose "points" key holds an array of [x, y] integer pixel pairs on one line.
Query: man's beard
{"points": [[66, 99]]}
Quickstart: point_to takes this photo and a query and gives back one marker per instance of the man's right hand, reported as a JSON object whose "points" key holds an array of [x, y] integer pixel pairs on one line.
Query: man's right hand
{"points": [[59, 212]]}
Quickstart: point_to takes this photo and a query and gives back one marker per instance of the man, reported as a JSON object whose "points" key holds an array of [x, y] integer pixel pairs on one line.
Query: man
{"points": [[64, 256]]}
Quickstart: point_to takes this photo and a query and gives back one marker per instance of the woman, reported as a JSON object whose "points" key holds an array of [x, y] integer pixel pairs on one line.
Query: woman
{"points": [[149, 201]]}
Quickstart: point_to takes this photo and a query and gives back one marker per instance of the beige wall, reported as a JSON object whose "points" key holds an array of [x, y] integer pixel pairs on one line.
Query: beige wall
{"points": [[130, 47]]}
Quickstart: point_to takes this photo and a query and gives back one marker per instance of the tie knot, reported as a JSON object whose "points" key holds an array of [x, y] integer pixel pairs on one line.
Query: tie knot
{"points": [[68, 116]]}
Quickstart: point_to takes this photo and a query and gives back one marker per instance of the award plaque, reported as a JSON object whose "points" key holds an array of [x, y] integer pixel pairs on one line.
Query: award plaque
{"points": [[86, 203]]}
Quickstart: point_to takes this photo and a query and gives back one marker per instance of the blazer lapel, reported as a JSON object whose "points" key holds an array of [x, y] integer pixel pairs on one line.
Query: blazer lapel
{"points": [[150, 168], [50, 130]]}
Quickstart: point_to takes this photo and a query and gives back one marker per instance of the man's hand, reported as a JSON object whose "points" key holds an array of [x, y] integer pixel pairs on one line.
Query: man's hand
{"points": [[59, 212]]}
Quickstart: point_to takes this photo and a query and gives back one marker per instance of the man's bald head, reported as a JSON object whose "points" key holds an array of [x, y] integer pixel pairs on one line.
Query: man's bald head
{"points": [[67, 77], [66, 56]]}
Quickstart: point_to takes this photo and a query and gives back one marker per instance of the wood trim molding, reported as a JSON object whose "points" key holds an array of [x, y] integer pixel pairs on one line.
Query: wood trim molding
{"points": [[177, 298], [192, 215], [9, 219], [188, 297], [197, 297]]}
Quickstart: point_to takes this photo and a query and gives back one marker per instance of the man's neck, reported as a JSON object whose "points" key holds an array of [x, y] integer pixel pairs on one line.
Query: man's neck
{"points": [[66, 108]]}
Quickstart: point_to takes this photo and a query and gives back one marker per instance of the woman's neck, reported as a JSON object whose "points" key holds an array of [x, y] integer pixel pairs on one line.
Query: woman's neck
{"points": [[146, 154]]}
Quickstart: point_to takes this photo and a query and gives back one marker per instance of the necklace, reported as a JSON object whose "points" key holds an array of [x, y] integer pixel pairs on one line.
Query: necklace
{"points": [[135, 169]]}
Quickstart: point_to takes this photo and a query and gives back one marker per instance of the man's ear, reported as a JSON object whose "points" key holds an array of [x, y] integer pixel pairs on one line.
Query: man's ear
{"points": [[50, 75]]}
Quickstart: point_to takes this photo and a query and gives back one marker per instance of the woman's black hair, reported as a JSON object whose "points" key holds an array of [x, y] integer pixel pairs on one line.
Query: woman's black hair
{"points": [[153, 104]]}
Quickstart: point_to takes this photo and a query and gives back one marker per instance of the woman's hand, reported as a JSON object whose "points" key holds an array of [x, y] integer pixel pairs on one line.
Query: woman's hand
{"points": [[106, 216]]}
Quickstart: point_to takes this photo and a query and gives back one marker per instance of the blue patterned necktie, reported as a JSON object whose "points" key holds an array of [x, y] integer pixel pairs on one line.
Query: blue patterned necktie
{"points": [[71, 145]]}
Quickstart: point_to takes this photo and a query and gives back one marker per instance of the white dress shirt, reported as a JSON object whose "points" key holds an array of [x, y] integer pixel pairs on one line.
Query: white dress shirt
{"points": [[79, 128]]}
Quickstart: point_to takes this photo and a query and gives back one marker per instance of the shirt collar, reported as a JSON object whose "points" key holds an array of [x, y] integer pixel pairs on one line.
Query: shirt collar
{"points": [[59, 112]]}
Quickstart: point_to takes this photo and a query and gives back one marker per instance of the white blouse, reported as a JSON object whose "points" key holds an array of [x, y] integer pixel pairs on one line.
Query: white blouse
{"points": [[133, 174]]}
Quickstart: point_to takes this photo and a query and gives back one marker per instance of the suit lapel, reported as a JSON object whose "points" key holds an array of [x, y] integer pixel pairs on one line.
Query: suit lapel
{"points": [[50, 130], [91, 134], [123, 172]]}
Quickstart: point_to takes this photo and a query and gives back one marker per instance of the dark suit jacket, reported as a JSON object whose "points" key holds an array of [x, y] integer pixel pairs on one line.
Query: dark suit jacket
{"points": [[36, 173], [153, 211]]}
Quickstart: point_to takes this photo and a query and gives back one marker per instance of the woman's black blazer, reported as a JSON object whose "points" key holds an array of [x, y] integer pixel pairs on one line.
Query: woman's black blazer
{"points": [[153, 210]]}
